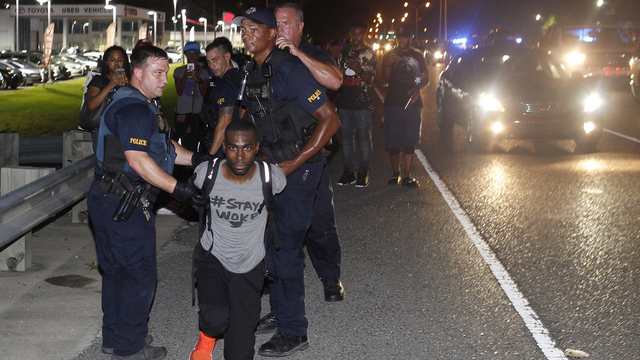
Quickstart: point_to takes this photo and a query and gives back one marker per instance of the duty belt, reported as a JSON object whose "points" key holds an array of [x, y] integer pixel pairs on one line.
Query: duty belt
{"points": [[131, 193]]}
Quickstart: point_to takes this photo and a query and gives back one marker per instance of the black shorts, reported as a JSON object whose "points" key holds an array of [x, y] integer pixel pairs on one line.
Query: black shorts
{"points": [[402, 127]]}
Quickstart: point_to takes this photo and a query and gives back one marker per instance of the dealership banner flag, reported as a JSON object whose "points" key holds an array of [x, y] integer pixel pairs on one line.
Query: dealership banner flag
{"points": [[143, 32], [111, 35], [48, 44]]}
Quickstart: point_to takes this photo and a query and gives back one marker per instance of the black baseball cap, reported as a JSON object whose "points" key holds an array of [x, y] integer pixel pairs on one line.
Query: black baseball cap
{"points": [[258, 15], [403, 30]]}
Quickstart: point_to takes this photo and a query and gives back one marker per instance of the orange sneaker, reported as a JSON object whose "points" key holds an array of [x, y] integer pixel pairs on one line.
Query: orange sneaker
{"points": [[204, 347]]}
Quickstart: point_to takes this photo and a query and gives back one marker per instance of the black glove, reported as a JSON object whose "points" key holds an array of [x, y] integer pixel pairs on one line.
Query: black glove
{"points": [[186, 192], [198, 158]]}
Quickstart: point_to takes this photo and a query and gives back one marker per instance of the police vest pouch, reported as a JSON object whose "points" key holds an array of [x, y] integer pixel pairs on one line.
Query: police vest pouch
{"points": [[284, 131], [114, 159]]}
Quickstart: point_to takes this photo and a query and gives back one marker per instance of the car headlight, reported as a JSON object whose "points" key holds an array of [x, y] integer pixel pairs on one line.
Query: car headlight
{"points": [[490, 103], [575, 58], [375, 46], [592, 103], [589, 127], [438, 55], [387, 47]]}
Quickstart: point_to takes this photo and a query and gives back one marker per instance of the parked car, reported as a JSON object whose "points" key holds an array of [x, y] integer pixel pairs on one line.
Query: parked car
{"points": [[593, 52], [31, 73], [75, 68], [516, 93], [9, 77], [6, 54], [36, 58], [634, 69], [90, 63]]}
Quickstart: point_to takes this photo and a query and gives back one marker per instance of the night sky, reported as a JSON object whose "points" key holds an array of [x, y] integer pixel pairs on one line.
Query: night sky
{"points": [[331, 18]]}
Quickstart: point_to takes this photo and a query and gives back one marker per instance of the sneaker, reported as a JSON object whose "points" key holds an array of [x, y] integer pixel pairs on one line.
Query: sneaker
{"points": [[267, 324], [410, 182], [394, 179], [363, 179], [147, 339], [282, 344], [204, 347], [147, 353], [347, 178]]}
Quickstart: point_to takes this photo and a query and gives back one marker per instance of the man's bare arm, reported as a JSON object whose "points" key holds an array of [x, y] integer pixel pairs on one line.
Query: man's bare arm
{"points": [[149, 170], [224, 119], [327, 75]]}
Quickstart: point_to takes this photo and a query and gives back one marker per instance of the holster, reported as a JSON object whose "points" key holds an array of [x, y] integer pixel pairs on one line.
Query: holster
{"points": [[130, 193]]}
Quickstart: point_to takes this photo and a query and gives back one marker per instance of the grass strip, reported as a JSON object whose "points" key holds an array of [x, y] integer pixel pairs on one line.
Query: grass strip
{"points": [[51, 109]]}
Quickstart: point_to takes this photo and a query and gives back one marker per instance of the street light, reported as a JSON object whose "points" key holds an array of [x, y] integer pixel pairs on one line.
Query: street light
{"points": [[175, 17], [49, 19], [205, 29], [112, 8], [445, 20], [155, 27], [406, 4], [48, 8], [17, 26], [184, 24]]}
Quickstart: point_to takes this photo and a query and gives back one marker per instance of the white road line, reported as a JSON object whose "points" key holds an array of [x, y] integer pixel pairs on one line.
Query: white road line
{"points": [[621, 135], [531, 319]]}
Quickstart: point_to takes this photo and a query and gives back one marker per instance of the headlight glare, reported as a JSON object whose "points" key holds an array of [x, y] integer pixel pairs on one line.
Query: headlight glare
{"points": [[497, 127], [588, 127], [490, 103], [575, 58], [438, 55], [592, 103]]}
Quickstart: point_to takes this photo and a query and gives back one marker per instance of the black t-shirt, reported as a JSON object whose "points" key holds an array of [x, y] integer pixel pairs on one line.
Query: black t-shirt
{"points": [[224, 93], [357, 94], [405, 75], [316, 52]]}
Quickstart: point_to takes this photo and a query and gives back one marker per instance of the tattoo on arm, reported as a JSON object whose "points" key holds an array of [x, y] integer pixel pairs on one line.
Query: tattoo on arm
{"points": [[227, 110]]}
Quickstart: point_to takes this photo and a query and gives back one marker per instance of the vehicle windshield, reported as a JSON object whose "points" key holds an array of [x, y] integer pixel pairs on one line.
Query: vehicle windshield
{"points": [[519, 66], [595, 36]]}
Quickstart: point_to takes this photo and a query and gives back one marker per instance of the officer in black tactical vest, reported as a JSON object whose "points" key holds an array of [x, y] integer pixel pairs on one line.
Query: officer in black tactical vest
{"points": [[294, 120], [135, 159]]}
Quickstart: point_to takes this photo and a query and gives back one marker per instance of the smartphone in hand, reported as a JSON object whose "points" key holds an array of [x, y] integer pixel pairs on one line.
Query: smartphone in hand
{"points": [[191, 66]]}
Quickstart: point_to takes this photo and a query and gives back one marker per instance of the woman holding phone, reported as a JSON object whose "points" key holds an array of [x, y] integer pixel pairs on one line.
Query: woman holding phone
{"points": [[114, 73]]}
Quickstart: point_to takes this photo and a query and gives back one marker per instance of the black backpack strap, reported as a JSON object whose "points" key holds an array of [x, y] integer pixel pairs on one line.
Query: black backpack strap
{"points": [[207, 186], [271, 232], [205, 218]]}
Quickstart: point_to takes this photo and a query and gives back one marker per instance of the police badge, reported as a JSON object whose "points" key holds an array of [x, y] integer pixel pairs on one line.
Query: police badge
{"points": [[162, 124]]}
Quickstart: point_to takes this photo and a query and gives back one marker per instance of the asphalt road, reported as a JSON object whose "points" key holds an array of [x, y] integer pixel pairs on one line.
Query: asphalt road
{"points": [[561, 227], [564, 225]]}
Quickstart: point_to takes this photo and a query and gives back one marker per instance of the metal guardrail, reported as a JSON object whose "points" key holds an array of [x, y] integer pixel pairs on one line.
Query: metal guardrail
{"points": [[28, 206], [40, 150]]}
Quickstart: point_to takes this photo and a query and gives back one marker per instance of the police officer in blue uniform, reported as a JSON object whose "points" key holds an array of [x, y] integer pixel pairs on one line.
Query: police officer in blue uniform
{"points": [[134, 161], [224, 95], [294, 120]]}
